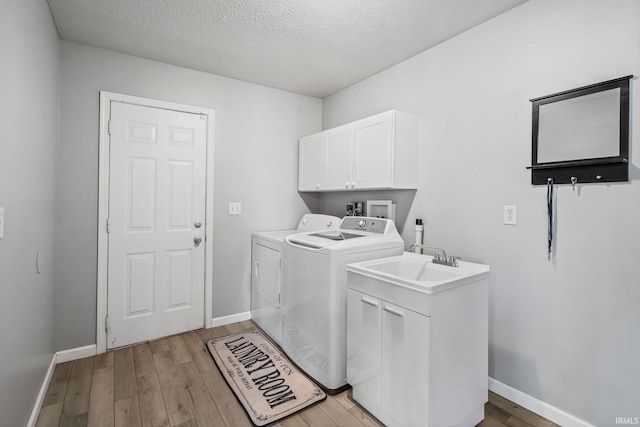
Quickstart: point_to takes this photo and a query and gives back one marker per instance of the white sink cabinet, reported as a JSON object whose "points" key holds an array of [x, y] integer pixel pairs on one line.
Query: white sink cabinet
{"points": [[418, 357], [385, 366], [378, 152]]}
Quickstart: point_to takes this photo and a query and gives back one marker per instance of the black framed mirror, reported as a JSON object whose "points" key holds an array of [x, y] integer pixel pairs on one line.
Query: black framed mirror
{"points": [[582, 135]]}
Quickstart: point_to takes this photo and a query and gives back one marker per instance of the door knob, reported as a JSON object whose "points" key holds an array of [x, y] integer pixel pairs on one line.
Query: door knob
{"points": [[197, 224], [196, 241]]}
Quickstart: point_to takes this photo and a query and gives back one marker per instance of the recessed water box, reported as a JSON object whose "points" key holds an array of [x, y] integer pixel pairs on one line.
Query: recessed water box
{"points": [[381, 209]]}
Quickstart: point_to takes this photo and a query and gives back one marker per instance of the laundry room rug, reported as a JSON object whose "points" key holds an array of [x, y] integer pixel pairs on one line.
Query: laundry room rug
{"points": [[265, 382]]}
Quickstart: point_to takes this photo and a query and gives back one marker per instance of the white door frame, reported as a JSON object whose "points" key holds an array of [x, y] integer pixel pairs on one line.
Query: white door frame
{"points": [[103, 204]]}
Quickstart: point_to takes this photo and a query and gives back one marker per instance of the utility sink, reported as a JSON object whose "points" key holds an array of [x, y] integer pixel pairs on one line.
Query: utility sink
{"points": [[419, 272], [417, 340], [415, 270], [411, 278]]}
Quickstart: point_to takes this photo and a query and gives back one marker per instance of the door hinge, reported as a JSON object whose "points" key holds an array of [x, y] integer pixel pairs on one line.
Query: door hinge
{"points": [[106, 324], [109, 127], [108, 225]]}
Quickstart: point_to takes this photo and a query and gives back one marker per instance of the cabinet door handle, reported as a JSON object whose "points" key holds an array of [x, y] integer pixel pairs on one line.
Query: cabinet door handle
{"points": [[255, 267], [370, 301], [392, 311]]}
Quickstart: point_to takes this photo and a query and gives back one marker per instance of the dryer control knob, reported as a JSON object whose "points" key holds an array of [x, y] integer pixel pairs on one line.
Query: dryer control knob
{"points": [[362, 223], [305, 220]]}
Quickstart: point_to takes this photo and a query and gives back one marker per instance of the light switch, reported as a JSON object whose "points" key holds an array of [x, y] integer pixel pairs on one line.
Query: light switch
{"points": [[235, 208], [1, 223]]}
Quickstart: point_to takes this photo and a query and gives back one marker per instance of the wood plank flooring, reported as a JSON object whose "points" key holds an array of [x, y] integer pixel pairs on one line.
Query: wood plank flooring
{"points": [[173, 382]]}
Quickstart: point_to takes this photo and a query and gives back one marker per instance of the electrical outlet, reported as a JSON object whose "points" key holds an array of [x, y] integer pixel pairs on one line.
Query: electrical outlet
{"points": [[1, 223], [235, 208], [510, 215]]}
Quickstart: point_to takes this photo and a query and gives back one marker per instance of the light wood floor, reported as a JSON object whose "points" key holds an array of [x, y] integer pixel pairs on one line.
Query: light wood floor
{"points": [[174, 382]]}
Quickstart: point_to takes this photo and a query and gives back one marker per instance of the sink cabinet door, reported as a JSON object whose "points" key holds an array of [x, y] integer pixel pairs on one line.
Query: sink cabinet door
{"points": [[364, 344], [405, 365]]}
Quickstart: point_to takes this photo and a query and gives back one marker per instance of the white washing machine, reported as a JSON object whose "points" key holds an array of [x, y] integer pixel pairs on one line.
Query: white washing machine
{"points": [[266, 278], [315, 298]]}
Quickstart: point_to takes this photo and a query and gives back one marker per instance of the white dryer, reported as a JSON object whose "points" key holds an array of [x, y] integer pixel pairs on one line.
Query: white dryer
{"points": [[315, 303], [266, 279]]}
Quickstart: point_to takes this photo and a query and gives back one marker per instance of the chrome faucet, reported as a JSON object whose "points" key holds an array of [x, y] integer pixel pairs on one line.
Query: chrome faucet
{"points": [[438, 258]]}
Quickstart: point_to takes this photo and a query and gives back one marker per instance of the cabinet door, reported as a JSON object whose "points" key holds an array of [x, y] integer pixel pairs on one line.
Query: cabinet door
{"points": [[373, 151], [311, 162], [405, 362], [363, 344], [338, 152], [266, 274]]}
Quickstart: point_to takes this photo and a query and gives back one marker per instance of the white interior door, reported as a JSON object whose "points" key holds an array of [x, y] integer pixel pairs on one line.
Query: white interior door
{"points": [[156, 266]]}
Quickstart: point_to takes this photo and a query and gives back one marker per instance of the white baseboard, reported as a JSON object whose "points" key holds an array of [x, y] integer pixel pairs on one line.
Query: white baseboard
{"points": [[41, 394], [76, 353], [225, 320], [539, 407]]}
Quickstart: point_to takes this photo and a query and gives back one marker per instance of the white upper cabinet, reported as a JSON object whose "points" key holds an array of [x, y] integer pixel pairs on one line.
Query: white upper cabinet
{"points": [[338, 165], [378, 152], [373, 143], [310, 159]]}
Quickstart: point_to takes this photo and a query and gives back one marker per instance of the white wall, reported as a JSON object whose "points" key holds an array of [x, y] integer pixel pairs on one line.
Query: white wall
{"points": [[256, 163], [566, 332], [28, 119]]}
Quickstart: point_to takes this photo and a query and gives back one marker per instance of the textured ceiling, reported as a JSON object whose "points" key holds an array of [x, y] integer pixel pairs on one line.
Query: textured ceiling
{"points": [[312, 47]]}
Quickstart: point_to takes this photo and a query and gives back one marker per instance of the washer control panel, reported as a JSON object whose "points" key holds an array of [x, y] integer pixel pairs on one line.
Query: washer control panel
{"points": [[360, 223]]}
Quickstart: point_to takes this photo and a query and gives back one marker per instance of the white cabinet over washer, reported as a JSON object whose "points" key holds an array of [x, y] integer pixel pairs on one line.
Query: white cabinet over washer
{"points": [[377, 152]]}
